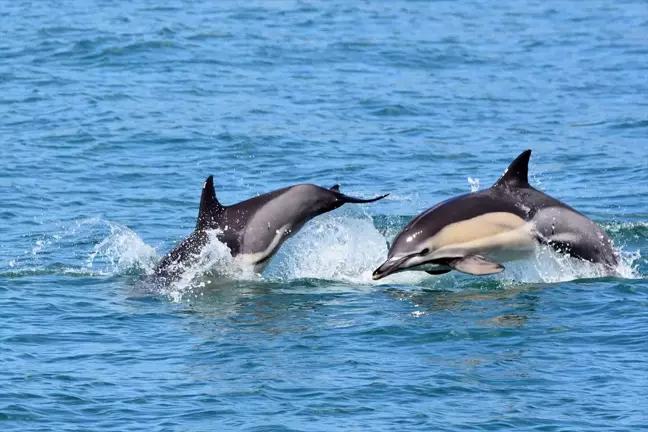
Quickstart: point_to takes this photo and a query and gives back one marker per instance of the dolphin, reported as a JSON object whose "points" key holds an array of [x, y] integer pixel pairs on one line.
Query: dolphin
{"points": [[474, 233], [253, 229]]}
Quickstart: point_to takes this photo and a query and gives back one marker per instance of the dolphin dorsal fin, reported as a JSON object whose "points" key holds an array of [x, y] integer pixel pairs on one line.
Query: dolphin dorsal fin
{"points": [[209, 205], [517, 174], [335, 188]]}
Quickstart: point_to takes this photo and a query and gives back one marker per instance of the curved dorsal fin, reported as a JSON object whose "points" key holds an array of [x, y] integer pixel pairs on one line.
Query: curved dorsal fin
{"points": [[209, 205], [517, 174], [335, 188]]}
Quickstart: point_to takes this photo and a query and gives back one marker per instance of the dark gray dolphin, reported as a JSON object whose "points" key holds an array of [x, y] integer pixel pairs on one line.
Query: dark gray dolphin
{"points": [[474, 233], [254, 229]]}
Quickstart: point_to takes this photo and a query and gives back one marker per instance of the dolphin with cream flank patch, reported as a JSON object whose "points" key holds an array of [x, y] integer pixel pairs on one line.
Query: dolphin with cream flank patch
{"points": [[253, 229], [476, 232]]}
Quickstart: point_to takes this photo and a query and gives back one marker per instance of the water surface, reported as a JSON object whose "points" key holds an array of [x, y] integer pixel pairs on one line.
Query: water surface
{"points": [[114, 113]]}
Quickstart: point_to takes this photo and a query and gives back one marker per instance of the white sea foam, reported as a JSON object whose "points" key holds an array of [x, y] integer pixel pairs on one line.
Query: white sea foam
{"points": [[549, 266], [122, 251], [474, 184], [214, 262], [117, 250], [343, 246]]}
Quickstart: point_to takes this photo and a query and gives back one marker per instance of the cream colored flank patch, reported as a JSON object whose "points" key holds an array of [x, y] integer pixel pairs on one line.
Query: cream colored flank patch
{"points": [[482, 234]]}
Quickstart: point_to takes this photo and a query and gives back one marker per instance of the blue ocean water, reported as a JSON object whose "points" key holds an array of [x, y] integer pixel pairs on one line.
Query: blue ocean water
{"points": [[113, 114]]}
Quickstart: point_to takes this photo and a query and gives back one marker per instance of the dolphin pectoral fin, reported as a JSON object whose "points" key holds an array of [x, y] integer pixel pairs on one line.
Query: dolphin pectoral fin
{"points": [[335, 188], [475, 265], [350, 199], [438, 272]]}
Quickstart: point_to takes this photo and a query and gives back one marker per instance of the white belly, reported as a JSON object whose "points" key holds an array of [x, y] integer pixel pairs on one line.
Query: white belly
{"points": [[260, 260]]}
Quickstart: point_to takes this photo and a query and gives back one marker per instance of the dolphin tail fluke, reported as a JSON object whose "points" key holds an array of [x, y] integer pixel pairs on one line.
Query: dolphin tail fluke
{"points": [[210, 208], [350, 199]]}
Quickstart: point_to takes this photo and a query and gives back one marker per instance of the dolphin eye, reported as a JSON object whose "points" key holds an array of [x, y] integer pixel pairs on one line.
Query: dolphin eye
{"points": [[424, 251]]}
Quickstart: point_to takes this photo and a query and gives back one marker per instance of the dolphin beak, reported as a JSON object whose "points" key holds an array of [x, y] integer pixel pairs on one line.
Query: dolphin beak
{"points": [[390, 266]]}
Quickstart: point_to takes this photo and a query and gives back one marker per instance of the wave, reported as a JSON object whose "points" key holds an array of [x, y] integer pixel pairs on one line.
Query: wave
{"points": [[86, 247]]}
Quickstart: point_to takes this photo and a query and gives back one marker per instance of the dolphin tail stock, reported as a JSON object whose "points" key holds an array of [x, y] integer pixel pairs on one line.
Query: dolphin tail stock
{"points": [[210, 207]]}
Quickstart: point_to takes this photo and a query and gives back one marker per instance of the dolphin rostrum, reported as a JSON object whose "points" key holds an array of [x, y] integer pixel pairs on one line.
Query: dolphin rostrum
{"points": [[254, 229], [475, 232]]}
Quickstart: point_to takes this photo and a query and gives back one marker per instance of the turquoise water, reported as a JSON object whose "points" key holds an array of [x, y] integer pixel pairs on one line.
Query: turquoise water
{"points": [[113, 114]]}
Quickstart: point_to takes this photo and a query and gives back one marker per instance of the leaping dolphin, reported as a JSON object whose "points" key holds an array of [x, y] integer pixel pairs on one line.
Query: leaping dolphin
{"points": [[475, 232], [254, 229]]}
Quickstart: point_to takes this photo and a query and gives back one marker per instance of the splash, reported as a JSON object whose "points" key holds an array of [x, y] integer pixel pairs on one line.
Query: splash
{"points": [[474, 184], [122, 252], [549, 266], [332, 247], [344, 246], [347, 246], [117, 250], [213, 265]]}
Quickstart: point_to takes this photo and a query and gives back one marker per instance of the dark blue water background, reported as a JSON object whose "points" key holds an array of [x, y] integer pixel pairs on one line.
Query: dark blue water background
{"points": [[112, 114]]}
